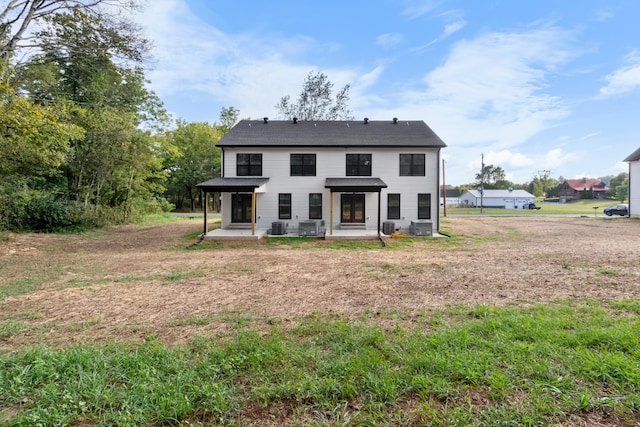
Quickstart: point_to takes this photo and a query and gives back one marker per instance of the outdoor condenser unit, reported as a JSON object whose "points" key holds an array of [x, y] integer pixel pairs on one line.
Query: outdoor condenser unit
{"points": [[308, 228], [421, 228], [277, 228], [388, 227]]}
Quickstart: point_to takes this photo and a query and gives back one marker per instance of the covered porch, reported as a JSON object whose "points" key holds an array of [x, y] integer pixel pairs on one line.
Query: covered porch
{"points": [[245, 230]]}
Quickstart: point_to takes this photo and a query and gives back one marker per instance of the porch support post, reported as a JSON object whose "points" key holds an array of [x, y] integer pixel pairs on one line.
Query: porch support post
{"points": [[204, 208], [331, 213], [253, 213], [379, 196]]}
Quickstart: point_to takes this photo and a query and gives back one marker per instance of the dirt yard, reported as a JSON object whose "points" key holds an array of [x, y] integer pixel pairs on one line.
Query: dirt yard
{"points": [[132, 281]]}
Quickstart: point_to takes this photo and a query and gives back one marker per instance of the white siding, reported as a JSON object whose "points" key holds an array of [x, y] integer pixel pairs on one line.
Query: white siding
{"points": [[634, 188], [331, 163]]}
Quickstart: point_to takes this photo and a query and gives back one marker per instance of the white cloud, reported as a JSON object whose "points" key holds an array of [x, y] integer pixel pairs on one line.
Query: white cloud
{"points": [[603, 15], [389, 40], [625, 79], [509, 159], [452, 28], [239, 70], [490, 90], [555, 158], [414, 9], [456, 24]]}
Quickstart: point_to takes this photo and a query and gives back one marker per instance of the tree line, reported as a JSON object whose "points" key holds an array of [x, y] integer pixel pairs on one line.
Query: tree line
{"points": [[83, 142]]}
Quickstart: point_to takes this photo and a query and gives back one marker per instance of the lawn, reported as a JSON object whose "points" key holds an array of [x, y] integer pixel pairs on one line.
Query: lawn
{"points": [[577, 207], [510, 321]]}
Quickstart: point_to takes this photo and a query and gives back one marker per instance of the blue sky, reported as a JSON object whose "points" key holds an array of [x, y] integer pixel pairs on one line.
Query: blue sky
{"points": [[532, 85]]}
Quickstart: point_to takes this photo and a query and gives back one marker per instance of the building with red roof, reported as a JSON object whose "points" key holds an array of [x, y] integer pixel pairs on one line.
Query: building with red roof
{"points": [[585, 188]]}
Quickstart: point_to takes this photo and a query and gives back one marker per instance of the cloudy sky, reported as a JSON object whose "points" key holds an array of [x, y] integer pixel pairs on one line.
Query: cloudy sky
{"points": [[531, 84]]}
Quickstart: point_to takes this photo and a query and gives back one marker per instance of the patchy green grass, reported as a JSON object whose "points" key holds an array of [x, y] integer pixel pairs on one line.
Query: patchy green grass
{"points": [[183, 275], [18, 287], [10, 327], [161, 218], [191, 320], [544, 365], [84, 325], [607, 272]]}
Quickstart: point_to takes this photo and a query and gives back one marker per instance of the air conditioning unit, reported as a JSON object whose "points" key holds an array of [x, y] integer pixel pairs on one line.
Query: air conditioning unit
{"points": [[388, 227], [309, 228], [421, 228], [277, 228]]}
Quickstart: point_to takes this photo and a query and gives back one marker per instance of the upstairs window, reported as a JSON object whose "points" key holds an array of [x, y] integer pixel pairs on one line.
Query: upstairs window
{"points": [[412, 165], [358, 164], [303, 165], [248, 164]]}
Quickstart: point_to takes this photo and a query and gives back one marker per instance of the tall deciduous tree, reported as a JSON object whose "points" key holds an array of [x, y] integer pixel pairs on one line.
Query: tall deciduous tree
{"points": [[622, 190], [197, 158], [18, 17], [315, 102], [490, 175], [33, 146], [542, 183], [89, 66], [34, 139]]}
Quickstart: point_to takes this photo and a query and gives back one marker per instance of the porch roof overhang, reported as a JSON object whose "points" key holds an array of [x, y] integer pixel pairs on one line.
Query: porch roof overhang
{"points": [[363, 184], [229, 185]]}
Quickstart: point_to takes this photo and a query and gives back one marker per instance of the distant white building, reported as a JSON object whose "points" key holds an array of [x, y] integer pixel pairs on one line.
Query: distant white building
{"points": [[508, 199], [634, 183], [452, 198]]}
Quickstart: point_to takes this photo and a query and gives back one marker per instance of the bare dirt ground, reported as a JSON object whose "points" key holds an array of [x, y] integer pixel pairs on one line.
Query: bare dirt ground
{"points": [[132, 281]]}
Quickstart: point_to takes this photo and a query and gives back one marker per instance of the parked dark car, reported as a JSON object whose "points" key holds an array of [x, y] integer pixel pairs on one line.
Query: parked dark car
{"points": [[621, 209], [530, 206]]}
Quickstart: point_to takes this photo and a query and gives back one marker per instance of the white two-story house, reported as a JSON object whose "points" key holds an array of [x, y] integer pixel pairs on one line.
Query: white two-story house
{"points": [[282, 177]]}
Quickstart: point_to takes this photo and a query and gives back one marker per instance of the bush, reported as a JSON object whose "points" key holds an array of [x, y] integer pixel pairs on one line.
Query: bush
{"points": [[47, 213], [23, 208]]}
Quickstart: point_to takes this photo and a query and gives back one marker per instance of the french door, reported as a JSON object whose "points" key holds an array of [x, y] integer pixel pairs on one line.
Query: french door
{"points": [[241, 208], [352, 208]]}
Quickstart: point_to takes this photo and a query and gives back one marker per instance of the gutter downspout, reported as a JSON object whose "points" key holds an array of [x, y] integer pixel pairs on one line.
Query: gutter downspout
{"points": [[629, 189]]}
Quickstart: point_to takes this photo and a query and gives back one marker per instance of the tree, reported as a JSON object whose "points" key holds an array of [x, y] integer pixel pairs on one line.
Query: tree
{"points": [[315, 101], [542, 184], [622, 190], [89, 67], [33, 146], [198, 159], [19, 16], [228, 118], [33, 138], [615, 182], [489, 176], [92, 64]]}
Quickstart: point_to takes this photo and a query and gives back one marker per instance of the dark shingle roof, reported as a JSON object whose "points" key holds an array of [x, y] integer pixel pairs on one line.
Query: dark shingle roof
{"points": [[633, 157], [284, 133], [232, 184], [355, 184]]}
